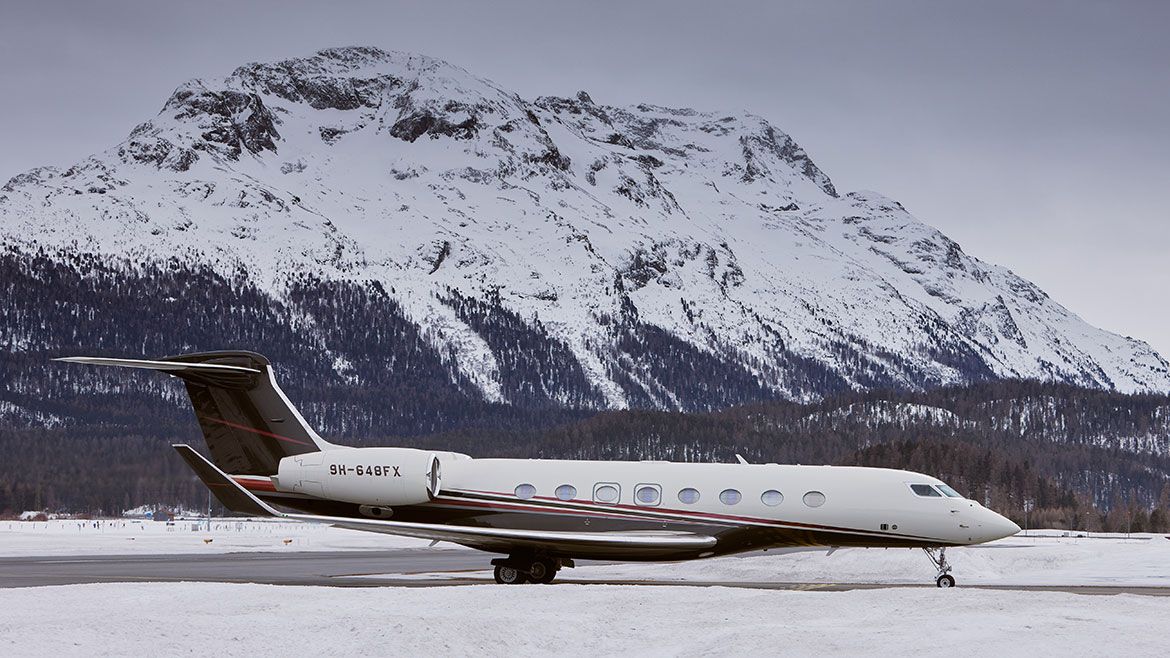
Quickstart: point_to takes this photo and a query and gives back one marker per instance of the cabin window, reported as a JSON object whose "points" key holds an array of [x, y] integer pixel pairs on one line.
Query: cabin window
{"points": [[647, 494], [925, 490], [689, 496], [948, 492], [566, 492], [606, 492], [771, 498], [525, 491], [729, 496], [814, 499]]}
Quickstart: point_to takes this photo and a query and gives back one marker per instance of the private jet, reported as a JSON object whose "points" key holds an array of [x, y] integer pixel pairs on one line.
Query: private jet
{"points": [[543, 514]]}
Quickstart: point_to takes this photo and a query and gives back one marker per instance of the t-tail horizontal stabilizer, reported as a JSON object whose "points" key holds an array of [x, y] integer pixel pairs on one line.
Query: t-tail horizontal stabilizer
{"points": [[165, 366]]}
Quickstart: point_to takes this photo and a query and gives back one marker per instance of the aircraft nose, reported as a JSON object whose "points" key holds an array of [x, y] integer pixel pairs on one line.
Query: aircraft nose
{"points": [[997, 526]]}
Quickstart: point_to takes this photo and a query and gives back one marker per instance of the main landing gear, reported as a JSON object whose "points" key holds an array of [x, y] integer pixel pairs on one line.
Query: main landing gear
{"points": [[517, 570], [938, 557]]}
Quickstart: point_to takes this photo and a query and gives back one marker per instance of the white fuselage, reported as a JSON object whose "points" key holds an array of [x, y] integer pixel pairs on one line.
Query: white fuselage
{"points": [[746, 506], [851, 498]]}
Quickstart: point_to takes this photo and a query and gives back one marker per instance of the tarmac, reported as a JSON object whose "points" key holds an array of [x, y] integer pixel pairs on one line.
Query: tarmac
{"points": [[391, 568]]}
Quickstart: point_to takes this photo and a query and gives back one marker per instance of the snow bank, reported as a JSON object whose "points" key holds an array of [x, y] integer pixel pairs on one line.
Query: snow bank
{"points": [[120, 536], [227, 619]]}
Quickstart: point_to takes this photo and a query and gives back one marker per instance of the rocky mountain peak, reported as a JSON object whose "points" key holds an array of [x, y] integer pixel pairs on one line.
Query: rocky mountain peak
{"points": [[637, 246]]}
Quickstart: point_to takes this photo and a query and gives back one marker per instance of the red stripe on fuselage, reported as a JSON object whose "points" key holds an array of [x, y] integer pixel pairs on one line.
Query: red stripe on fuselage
{"points": [[253, 430], [255, 484]]}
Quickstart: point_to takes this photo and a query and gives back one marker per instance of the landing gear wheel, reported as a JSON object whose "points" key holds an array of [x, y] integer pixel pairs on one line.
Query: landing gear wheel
{"points": [[938, 557], [510, 576], [542, 571]]}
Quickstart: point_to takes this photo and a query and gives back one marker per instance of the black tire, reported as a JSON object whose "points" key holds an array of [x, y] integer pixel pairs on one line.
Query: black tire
{"points": [[945, 580], [510, 576], [542, 571]]}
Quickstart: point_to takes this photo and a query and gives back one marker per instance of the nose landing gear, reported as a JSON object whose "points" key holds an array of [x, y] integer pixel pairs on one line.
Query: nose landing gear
{"points": [[938, 557]]}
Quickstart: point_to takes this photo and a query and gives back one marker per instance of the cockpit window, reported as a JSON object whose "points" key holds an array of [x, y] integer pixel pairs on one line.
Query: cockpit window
{"points": [[925, 490], [948, 492]]}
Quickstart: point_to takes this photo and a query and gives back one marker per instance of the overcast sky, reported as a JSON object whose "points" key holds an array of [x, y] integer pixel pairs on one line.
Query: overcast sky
{"points": [[1035, 134]]}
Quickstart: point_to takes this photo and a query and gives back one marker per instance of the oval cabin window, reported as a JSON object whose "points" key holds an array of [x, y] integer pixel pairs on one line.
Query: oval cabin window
{"points": [[605, 493], [566, 492], [814, 499], [729, 496], [647, 494], [525, 491], [771, 498], [689, 496]]}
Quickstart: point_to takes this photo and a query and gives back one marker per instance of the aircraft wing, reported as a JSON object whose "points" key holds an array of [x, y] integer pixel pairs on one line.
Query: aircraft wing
{"points": [[644, 544]]}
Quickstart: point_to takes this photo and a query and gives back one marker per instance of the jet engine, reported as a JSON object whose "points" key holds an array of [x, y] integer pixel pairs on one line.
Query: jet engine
{"points": [[368, 476]]}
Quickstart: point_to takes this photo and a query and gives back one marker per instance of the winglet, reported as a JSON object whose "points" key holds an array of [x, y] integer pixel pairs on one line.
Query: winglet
{"points": [[229, 492], [739, 458]]}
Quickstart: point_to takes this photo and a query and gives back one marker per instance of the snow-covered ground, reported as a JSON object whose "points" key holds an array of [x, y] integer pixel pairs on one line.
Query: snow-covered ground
{"points": [[228, 619], [568, 619], [123, 536]]}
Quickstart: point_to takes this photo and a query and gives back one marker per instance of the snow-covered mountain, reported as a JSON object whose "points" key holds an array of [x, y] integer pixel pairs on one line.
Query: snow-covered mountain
{"points": [[653, 253]]}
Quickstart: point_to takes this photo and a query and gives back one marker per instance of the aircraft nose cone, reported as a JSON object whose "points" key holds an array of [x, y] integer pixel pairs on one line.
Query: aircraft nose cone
{"points": [[998, 527]]}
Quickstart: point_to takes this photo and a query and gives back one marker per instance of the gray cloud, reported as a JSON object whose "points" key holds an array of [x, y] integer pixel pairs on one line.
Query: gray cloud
{"points": [[1033, 133]]}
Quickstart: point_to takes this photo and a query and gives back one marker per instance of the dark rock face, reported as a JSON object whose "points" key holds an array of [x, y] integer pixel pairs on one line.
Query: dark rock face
{"points": [[331, 135], [158, 152], [312, 80], [618, 139], [784, 147], [551, 157], [417, 124], [648, 160], [232, 121], [645, 266], [582, 105]]}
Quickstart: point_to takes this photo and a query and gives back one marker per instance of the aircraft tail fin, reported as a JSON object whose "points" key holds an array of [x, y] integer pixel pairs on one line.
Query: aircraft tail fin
{"points": [[247, 421]]}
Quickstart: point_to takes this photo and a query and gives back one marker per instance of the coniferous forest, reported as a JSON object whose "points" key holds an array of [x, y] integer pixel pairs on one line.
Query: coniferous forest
{"points": [[93, 440]]}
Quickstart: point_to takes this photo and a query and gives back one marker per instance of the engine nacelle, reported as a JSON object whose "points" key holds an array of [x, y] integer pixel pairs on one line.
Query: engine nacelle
{"points": [[367, 476]]}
